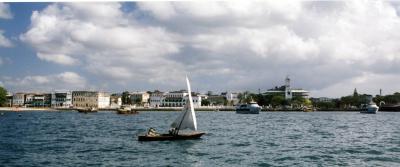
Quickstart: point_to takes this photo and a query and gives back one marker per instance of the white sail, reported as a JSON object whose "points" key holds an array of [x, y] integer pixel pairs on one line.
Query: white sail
{"points": [[187, 118]]}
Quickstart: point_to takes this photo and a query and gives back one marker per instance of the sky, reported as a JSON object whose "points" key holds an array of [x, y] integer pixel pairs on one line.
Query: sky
{"points": [[328, 48]]}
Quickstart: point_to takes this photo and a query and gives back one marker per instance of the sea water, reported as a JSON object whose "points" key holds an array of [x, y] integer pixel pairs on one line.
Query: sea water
{"points": [[268, 139]]}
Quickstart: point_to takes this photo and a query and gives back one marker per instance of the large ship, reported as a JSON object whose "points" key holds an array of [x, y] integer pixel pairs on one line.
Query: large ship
{"points": [[249, 108]]}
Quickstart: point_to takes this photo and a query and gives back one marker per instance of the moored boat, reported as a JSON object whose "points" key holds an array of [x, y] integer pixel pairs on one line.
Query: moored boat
{"points": [[126, 110], [372, 108], [250, 108], [186, 120], [86, 110]]}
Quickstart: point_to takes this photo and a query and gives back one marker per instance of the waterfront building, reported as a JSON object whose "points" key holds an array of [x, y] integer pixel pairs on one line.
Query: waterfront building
{"points": [[232, 98], [9, 99], [322, 99], [139, 98], [115, 101], [28, 99], [196, 98], [90, 99], [156, 98], [18, 99], [40, 100], [288, 92], [174, 99], [61, 99]]}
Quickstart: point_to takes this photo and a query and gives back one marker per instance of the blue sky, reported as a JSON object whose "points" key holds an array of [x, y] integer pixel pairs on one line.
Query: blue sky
{"points": [[328, 48]]}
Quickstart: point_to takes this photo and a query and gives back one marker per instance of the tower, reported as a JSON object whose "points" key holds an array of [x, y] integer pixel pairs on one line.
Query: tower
{"points": [[288, 91]]}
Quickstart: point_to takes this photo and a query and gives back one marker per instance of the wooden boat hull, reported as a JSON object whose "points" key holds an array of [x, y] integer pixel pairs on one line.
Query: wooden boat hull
{"points": [[165, 137], [85, 110], [127, 112]]}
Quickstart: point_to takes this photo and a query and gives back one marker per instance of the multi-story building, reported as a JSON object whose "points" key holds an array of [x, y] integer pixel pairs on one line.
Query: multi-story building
{"points": [[61, 99], [287, 91], [29, 99], [232, 98], [139, 98], [9, 100], [90, 99], [174, 99], [115, 101], [18, 99], [40, 100], [196, 98], [156, 98]]}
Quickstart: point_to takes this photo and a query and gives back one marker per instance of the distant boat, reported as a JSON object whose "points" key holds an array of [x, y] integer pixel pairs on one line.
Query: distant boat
{"points": [[86, 110], [249, 108], [126, 110], [308, 109], [371, 108], [186, 120]]}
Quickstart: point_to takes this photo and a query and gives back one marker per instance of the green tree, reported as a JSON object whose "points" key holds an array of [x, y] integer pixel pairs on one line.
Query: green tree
{"points": [[277, 100], [3, 96], [205, 102], [126, 98]]}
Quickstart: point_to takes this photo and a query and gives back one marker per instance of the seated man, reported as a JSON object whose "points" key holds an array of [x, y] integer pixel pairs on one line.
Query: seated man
{"points": [[172, 131], [152, 132]]}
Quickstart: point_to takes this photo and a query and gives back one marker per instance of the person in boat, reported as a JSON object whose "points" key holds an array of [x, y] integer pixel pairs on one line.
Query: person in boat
{"points": [[152, 132], [172, 131]]}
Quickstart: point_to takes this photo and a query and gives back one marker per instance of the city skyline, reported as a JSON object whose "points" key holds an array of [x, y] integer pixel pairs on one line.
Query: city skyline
{"points": [[327, 48]]}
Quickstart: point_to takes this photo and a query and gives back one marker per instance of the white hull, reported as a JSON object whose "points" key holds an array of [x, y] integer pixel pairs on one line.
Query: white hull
{"points": [[371, 109]]}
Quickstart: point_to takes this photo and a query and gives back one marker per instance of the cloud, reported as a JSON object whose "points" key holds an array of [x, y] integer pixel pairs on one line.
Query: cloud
{"points": [[57, 58], [65, 80], [5, 12], [232, 46], [103, 39], [4, 42]]}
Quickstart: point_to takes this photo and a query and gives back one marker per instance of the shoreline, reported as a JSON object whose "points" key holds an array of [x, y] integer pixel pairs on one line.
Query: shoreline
{"points": [[167, 109]]}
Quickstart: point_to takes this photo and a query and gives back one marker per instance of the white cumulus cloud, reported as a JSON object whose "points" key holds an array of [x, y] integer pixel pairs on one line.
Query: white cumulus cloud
{"points": [[4, 42], [233, 45], [65, 80]]}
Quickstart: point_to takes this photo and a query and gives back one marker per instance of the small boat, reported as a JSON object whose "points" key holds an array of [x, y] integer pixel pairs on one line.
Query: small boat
{"points": [[186, 120], [126, 110], [308, 109], [250, 108], [371, 108], [86, 110]]}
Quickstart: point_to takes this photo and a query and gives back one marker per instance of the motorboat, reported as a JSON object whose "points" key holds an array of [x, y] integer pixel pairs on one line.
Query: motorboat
{"points": [[249, 108], [371, 108]]}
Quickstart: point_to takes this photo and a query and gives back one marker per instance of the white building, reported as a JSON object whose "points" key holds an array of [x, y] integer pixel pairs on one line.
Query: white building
{"points": [[156, 98], [139, 98], [288, 92], [61, 99], [18, 99], [173, 99], [115, 101], [231, 97], [195, 98], [90, 99]]}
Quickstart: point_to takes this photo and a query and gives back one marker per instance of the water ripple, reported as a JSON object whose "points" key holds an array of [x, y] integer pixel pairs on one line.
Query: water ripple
{"points": [[267, 139]]}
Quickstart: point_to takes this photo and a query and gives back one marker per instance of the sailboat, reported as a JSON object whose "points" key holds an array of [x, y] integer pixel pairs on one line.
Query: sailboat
{"points": [[186, 120]]}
